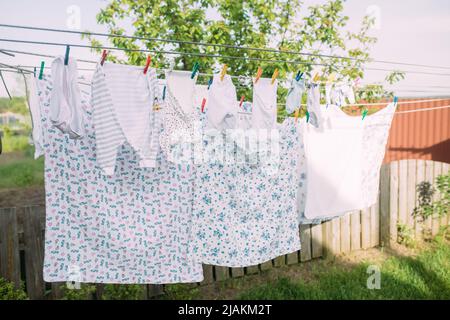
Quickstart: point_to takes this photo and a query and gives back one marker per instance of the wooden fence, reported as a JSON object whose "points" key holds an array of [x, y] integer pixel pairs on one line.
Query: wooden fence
{"points": [[22, 232]]}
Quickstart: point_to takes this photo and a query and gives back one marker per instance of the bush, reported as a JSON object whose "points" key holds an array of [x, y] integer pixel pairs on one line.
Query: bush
{"points": [[86, 292], [8, 292], [124, 292]]}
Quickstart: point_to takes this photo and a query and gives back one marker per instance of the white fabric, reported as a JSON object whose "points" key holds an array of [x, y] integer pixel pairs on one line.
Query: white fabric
{"points": [[35, 111], [132, 227], [343, 160], [180, 116], [294, 95], [264, 107], [313, 104], [221, 104], [123, 98], [65, 103]]}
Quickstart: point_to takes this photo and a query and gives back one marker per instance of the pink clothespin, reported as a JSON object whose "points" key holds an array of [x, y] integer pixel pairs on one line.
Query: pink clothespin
{"points": [[147, 64]]}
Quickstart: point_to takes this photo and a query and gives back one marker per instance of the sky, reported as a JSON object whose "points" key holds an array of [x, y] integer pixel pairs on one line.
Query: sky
{"points": [[408, 31]]}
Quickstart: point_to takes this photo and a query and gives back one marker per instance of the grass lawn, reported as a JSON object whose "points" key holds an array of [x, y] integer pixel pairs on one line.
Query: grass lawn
{"points": [[420, 273], [21, 171]]}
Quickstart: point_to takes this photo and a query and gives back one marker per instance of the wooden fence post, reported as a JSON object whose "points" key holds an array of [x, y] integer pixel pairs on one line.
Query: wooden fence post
{"points": [[385, 205], [9, 246]]}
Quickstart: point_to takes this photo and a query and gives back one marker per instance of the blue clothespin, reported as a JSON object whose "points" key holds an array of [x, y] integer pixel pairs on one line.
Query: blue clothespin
{"points": [[210, 82], [34, 71], [41, 71], [298, 76], [307, 116], [364, 113], [164, 93], [66, 57], [195, 69], [395, 99]]}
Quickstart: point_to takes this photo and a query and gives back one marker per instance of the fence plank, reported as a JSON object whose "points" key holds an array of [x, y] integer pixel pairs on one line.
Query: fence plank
{"points": [[208, 274], [429, 170], [9, 246], [345, 233], [305, 240], [266, 265], [154, 290], [435, 222], [34, 251], [336, 235], [355, 230], [403, 191], [279, 261], [221, 273], [237, 272], [390, 185], [445, 170], [292, 258], [411, 192], [420, 177], [316, 239], [252, 270], [327, 241], [365, 228], [375, 224]]}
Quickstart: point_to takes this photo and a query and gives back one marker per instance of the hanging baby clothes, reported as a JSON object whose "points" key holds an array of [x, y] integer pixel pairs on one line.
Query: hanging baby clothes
{"points": [[313, 104], [35, 112], [294, 95], [123, 98], [221, 104], [131, 227], [245, 214], [343, 160], [264, 107], [65, 103], [180, 117]]}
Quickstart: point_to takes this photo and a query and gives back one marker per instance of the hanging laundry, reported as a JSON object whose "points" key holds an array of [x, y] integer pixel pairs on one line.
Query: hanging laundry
{"points": [[221, 104], [31, 92], [313, 104], [131, 227], [343, 160], [123, 98], [180, 117], [294, 95], [264, 107], [245, 214], [341, 93], [65, 103]]}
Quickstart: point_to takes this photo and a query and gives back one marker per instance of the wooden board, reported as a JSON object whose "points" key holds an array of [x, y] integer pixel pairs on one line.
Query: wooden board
{"points": [[316, 240], [365, 228], [305, 240], [208, 274], [34, 251], [355, 231], [411, 192], [252, 270], [429, 176], [345, 233], [9, 246], [375, 224], [436, 220], [403, 192], [221, 273], [266, 265], [237, 272], [420, 177]]}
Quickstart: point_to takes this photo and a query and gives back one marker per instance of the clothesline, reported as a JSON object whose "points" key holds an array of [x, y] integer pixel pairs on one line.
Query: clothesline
{"points": [[295, 62], [218, 45]]}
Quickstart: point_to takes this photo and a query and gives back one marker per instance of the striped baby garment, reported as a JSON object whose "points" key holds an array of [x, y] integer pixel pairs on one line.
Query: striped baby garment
{"points": [[122, 99]]}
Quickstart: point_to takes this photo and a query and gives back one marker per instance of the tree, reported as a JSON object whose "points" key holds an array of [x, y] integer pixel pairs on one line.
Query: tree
{"points": [[282, 25]]}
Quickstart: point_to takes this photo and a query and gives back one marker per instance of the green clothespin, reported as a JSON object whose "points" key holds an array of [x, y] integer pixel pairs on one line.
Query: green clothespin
{"points": [[41, 71], [66, 57], [195, 69], [307, 116], [364, 113]]}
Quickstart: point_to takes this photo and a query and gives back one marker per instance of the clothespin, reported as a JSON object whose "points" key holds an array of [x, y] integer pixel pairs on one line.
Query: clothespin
{"points": [[66, 57], [274, 75], [241, 101], [194, 69], [147, 64], [104, 54], [203, 104], [395, 100], [34, 71], [297, 111], [364, 113], [41, 71], [258, 74], [316, 77], [164, 93], [298, 76], [223, 72], [307, 116], [210, 82]]}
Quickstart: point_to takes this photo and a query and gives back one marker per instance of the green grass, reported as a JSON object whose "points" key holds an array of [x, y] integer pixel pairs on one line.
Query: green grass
{"points": [[13, 143], [426, 276], [23, 172]]}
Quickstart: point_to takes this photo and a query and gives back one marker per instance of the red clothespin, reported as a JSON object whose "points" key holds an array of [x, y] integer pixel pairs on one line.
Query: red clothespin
{"points": [[104, 54], [241, 101], [258, 74], [147, 64], [203, 104]]}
